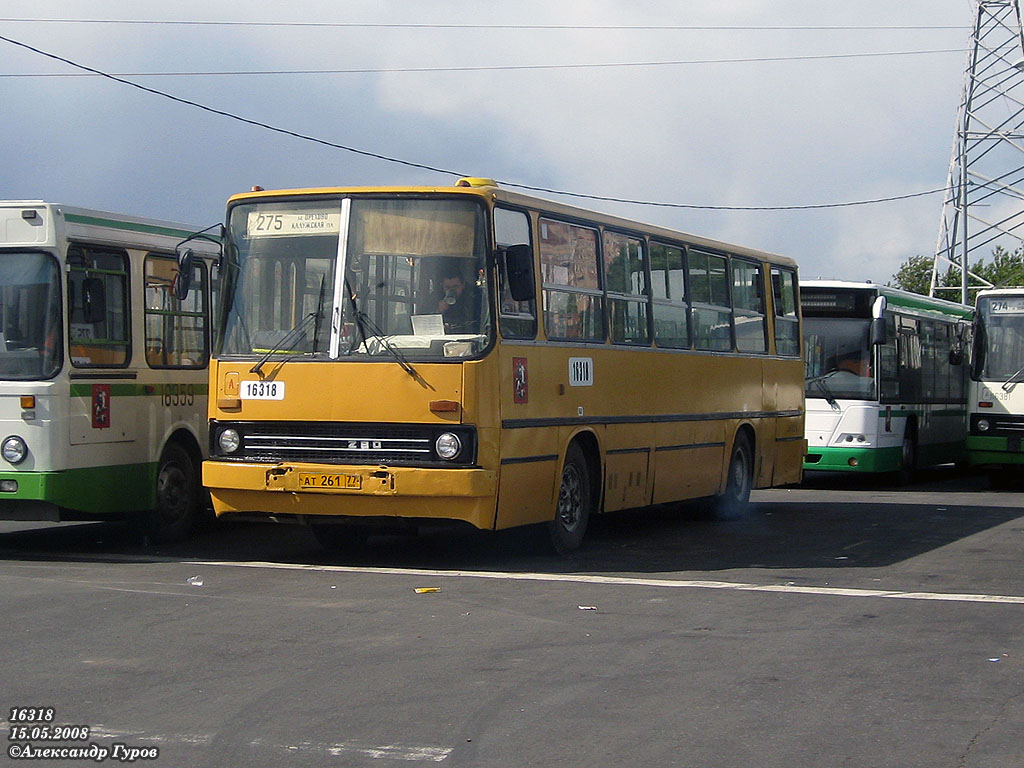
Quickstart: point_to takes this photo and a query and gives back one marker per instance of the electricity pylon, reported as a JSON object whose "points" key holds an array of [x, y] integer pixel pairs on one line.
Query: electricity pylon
{"points": [[984, 205]]}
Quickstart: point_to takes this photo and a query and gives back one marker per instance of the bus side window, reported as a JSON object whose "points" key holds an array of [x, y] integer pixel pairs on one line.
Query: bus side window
{"points": [[668, 291], [573, 299], [625, 277], [748, 307], [98, 327], [176, 329], [787, 322], [516, 319], [712, 314]]}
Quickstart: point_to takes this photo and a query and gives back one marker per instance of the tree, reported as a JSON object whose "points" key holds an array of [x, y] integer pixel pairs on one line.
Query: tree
{"points": [[914, 274], [1006, 269]]}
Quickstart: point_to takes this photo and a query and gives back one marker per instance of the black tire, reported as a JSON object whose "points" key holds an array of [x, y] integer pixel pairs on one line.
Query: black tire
{"points": [[908, 456], [340, 538], [733, 501], [177, 497], [572, 510]]}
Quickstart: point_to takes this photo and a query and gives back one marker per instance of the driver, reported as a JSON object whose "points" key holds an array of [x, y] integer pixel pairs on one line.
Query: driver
{"points": [[458, 307]]}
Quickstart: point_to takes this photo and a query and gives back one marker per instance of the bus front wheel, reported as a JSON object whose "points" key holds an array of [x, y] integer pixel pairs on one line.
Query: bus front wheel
{"points": [[572, 512], [177, 497], [908, 456], [733, 501]]}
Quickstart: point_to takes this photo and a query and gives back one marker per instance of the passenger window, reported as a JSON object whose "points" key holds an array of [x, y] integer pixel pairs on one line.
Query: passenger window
{"points": [[98, 327], [176, 331], [671, 324], [625, 276], [748, 307], [787, 322], [709, 292], [573, 303]]}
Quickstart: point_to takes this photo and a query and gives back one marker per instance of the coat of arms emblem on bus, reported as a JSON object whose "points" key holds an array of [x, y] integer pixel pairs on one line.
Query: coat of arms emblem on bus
{"points": [[101, 406], [520, 381]]}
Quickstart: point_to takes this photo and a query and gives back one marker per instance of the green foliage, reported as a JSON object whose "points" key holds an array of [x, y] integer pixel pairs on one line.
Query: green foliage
{"points": [[915, 275], [1006, 269]]}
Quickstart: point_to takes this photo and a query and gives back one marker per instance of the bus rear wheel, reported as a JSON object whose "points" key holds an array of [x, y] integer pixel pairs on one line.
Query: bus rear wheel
{"points": [[177, 497], [572, 512], [733, 501]]}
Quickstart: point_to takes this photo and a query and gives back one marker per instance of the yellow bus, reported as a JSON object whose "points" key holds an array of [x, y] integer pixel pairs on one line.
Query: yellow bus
{"points": [[473, 354]]}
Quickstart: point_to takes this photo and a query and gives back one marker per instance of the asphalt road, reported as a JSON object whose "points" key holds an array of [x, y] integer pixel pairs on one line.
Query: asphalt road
{"points": [[842, 623]]}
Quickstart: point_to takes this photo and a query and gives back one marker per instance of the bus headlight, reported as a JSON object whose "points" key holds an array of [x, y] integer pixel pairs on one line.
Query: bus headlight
{"points": [[448, 446], [14, 449], [983, 425], [229, 440]]}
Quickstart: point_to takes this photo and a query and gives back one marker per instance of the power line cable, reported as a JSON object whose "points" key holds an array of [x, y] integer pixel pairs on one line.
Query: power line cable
{"points": [[495, 67], [530, 27], [447, 171]]}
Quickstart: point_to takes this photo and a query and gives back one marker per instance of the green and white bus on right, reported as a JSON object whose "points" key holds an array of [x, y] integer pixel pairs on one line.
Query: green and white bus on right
{"points": [[996, 400], [886, 378]]}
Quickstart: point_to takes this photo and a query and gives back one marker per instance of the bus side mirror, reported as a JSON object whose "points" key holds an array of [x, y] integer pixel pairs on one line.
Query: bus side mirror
{"points": [[94, 300], [956, 356], [183, 282], [519, 270], [879, 332]]}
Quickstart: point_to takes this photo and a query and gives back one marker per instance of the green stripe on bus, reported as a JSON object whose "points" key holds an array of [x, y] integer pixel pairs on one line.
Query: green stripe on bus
{"points": [[924, 303], [142, 390], [94, 490], [128, 226], [867, 459]]}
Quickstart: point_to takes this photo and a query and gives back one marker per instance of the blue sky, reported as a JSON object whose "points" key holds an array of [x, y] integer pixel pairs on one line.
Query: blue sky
{"points": [[826, 124]]}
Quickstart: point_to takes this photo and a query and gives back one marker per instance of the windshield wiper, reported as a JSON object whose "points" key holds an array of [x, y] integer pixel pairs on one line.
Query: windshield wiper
{"points": [[295, 333], [819, 381], [1008, 384], [364, 323], [319, 313]]}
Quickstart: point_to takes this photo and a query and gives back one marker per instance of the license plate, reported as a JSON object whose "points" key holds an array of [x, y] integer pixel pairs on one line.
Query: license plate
{"points": [[330, 480], [262, 390]]}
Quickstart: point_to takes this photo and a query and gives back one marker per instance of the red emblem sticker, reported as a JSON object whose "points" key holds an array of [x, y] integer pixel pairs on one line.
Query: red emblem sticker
{"points": [[520, 381], [101, 406]]}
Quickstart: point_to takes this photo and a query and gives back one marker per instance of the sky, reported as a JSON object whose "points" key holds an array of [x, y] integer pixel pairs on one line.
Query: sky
{"points": [[769, 103]]}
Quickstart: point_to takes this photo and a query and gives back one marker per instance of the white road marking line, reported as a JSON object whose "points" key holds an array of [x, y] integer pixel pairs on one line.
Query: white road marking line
{"points": [[630, 581]]}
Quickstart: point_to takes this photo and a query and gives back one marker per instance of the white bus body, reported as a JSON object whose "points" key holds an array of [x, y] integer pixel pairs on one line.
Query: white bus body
{"points": [[102, 369], [997, 385]]}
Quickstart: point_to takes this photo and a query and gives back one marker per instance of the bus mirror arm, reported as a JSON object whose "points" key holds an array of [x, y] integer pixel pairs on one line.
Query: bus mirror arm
{"points": [[186, 256], [519, 269]]}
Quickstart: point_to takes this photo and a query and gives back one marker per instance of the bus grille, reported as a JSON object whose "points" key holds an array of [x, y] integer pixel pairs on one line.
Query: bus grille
{"points": [[1000, 425], [341, 443]]}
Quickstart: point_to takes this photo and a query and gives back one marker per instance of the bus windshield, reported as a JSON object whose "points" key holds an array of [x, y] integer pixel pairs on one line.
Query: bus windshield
{"points": [[999, 343], [838, 358], [414, 280], [30, 326]]}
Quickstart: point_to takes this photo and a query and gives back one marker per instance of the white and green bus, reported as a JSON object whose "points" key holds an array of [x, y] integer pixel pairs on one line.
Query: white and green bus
{"points": [[997, 386], [102, 367], [886, 378]]}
